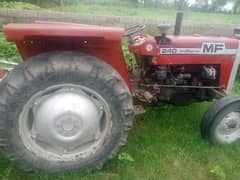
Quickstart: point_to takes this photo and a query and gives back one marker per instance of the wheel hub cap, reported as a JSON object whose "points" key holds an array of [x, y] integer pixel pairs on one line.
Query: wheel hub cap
{"points": [[69, 121], [67, 127], [68, 124], [228, 130]]}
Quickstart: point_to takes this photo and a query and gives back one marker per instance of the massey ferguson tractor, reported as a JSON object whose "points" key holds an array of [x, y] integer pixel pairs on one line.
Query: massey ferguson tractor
{"points": [[70, 103]]}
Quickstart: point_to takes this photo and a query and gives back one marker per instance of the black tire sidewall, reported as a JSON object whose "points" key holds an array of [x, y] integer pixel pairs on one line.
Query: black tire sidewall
{"points": [[218, 118], [53, 76], [215, 115]]}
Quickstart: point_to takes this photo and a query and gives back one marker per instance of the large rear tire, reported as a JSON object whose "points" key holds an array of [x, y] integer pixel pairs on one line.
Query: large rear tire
{"points": [[63, 110], [221, 123]]}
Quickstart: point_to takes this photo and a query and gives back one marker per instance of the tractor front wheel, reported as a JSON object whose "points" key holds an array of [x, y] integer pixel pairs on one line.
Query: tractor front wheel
{"points": [[63, 110], [221, 123]]}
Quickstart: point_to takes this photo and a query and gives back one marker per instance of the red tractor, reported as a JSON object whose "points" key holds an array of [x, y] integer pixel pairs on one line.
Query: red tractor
{"points": [[70, 103]]}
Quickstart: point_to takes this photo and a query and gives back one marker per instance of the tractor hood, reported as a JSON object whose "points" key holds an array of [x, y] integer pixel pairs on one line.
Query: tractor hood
{"points": [[184, 45], [205, 43]]}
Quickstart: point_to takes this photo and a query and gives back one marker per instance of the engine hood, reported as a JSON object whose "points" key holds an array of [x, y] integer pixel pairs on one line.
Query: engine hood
{"points": [[199, 45], [197, 41]]}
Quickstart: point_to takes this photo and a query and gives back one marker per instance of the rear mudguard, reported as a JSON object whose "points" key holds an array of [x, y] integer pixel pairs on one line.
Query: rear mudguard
{"points": [[42, 36]]}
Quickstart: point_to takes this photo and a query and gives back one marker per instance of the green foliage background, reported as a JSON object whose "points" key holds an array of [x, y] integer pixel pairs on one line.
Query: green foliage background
{"points": [[8, 50]]}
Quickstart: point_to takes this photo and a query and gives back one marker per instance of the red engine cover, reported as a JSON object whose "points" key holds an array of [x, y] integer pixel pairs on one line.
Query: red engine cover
{"points": [[190, 50]]}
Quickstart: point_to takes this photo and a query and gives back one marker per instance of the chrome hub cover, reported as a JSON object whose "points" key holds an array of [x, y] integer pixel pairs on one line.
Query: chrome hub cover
{"points": [[65, 120], [228, 130], [68, 125]]}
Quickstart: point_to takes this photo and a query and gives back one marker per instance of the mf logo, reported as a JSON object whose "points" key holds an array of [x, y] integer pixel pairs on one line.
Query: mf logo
{"points": [[212, 47]]}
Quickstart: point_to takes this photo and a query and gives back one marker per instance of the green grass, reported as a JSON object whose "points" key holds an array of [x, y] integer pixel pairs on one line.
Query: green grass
{"points": [[163, 14], [8, 50], [18, 5], [165, 143]]}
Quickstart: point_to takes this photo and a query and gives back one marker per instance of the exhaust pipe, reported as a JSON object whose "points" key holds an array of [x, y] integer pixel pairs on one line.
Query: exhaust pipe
{"points": [[179, 17], [178, 23]]}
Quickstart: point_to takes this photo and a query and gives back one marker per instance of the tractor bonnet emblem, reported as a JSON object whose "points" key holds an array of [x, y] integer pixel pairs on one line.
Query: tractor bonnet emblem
{"points": [[149, 47], [212, 47]]}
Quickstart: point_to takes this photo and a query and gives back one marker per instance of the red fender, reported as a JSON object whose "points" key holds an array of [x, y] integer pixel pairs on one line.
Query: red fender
{"points": [[44, 36]]}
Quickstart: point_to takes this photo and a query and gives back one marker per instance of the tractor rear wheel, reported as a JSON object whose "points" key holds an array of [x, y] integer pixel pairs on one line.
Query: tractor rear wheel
{"points": [[221, 123], [63, 110]]}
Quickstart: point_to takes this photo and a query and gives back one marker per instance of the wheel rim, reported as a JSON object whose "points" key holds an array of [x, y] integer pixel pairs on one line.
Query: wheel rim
{"points": [[65, 122], [228, 130]]}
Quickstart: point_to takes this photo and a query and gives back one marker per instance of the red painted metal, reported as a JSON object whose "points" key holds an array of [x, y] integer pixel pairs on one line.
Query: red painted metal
{"points": [[42, 36], [225, 61], [105, 43]]}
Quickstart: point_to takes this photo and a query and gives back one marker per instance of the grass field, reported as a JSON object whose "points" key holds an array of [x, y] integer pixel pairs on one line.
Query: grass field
{"points": [[164, 14], [165, 144]]}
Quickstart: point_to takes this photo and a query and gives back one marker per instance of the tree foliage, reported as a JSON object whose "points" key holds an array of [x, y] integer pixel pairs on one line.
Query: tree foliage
{"points": [[200, 5], [236, 8], [216, 4]]}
